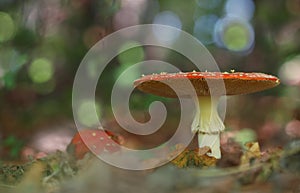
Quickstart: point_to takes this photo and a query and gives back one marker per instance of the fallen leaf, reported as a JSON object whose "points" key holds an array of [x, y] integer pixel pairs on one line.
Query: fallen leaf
{"points": [[251, 153]]}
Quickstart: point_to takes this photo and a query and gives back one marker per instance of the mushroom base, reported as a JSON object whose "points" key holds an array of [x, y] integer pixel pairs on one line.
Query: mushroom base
{"points": [[208, 125]]}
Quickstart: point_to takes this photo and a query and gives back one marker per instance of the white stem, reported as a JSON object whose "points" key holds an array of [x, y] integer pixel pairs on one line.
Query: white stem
{"points": [[208, 125], [212, 141]]}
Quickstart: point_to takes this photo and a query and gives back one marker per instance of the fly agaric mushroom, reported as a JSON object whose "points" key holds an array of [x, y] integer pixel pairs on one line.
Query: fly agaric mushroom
{"points": [[100, 141], [207, 124]]}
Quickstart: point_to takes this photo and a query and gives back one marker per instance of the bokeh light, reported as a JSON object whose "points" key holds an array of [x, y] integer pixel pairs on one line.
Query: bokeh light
{"points": [[129, 14], [136, 6], [52, 139], [204, 28], [11, 61], [287, 38], [41, 70], [231, 40], [234, 34], [86, 114], [245, 135], [293, 6], [167, 18], [208, 4], [131, 75], [292, 129], [7, 29], [131, 53], [240, 8], [289, 72], [125, 18]]}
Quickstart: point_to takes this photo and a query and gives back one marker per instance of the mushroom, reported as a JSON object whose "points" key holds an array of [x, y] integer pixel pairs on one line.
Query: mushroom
{"points": [[96, 140], [207, 123]]}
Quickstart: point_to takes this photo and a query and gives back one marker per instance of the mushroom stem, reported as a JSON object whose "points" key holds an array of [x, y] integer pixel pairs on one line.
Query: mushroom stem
{"points": [[208, 125]]}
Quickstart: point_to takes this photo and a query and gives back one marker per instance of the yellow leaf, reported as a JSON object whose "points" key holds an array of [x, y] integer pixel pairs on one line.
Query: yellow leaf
{"points": [[252, 152]]}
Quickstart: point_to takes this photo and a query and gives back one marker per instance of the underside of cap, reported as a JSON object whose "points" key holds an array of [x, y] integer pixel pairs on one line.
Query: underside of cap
{"points": [[205, 83]]}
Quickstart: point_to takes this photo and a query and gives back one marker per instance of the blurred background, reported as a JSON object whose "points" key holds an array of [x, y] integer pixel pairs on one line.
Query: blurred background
{"points": [[43, 42]]}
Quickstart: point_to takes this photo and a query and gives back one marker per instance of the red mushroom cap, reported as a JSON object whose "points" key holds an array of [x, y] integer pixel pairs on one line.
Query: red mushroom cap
{"points": [[235, 83], [96, 140]]}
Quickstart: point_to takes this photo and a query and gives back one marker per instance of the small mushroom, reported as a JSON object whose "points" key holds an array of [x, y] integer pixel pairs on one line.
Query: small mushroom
{"points": [[95, 140], [207, 124]]}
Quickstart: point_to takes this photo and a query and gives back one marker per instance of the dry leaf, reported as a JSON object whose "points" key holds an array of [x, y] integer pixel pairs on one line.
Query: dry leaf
{"points": [[252, 152], [193, 158]]}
